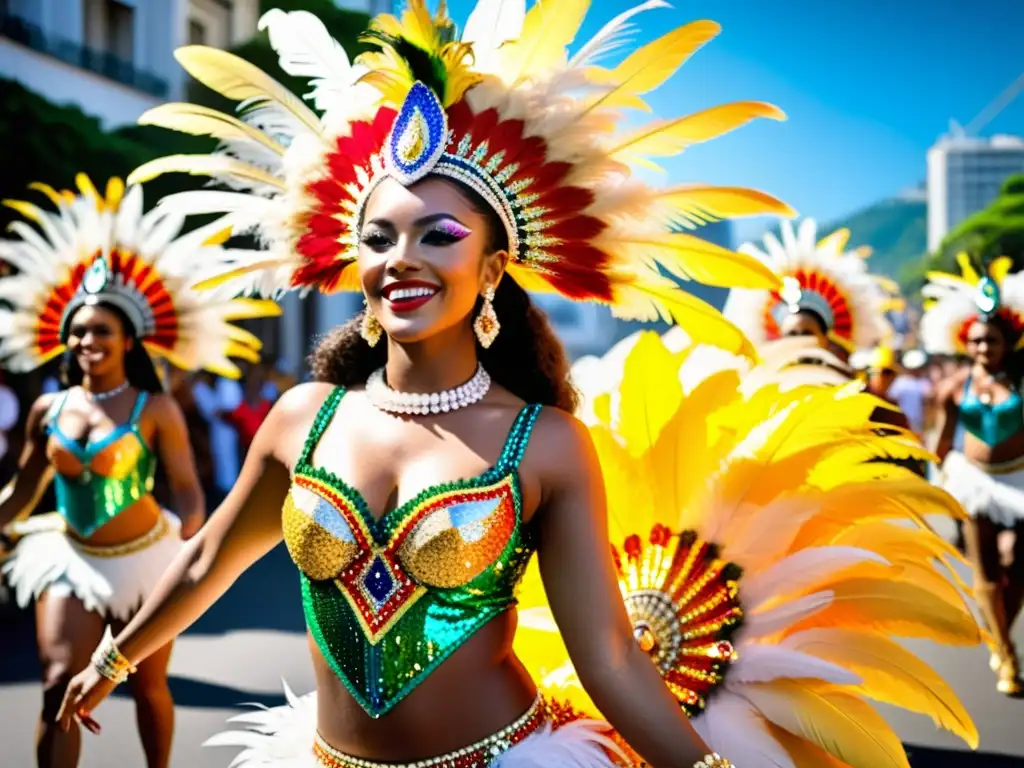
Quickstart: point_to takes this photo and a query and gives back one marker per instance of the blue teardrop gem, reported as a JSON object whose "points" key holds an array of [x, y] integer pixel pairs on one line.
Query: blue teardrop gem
{"points": [[987, 299], [418, 137]]}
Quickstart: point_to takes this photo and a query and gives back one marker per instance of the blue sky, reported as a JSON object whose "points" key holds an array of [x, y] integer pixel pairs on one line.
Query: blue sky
{"points": [[867, 85]]}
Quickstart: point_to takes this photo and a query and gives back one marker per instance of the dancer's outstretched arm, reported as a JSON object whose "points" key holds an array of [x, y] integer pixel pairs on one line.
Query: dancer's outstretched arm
{"points": [[583, 591], [243, 529]]}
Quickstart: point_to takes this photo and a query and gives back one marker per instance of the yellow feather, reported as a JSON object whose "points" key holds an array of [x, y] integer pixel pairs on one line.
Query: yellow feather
{"points": [[836, 242], [243, 336], [803, 753], [896, 608], [52, 194], [202, 121], [548, 29], [709, 203], [529, 279], [670, 137], [239, 80], [649, 395], [893, 675], [967, 269], [243, 351], [88, 189], [246, 309], [28, 210], [841, 724], [226, 277], [1000, 268], [115, 191], [636, 298], [693, 258], [203, 165], [651, 65]]}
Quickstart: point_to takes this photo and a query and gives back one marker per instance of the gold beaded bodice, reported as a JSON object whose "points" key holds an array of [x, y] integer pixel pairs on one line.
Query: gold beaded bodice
{"points": [[387, 600], [98, 480]]}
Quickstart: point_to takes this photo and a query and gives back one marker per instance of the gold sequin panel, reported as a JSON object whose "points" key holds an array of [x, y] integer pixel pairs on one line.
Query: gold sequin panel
{"points": [[115, 461], [319, 538], [454, 544]]}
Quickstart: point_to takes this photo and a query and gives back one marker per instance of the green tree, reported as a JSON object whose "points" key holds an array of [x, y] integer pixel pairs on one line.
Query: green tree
{"points": [[997, 230]]}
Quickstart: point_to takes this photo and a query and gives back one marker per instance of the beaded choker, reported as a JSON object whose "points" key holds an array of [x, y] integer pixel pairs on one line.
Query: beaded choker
{"points": [[99, 397], [423, 403]]}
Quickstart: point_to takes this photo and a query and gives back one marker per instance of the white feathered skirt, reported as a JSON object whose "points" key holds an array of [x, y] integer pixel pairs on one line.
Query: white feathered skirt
{"points": [[112, 581], [995, 491], [286, 737]]}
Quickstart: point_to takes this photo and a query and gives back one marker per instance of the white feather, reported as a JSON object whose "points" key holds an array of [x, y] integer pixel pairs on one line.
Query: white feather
{"points": [[491, 24], [610, 35], [778, 618], [800, 571], [763, 663], [306, 49], [732, 726]]}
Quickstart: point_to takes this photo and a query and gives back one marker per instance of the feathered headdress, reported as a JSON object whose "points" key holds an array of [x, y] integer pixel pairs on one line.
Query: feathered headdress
{"points": [[769, 562], [503, 109], [953, 303], [817, 275], [103, 248]]}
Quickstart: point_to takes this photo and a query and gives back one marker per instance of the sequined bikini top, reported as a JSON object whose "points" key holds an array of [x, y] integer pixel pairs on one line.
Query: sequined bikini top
{"points": [[109, 474], [387, 600], [993, 424]]}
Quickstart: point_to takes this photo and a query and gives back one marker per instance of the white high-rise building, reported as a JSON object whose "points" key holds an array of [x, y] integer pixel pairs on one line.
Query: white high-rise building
{"points": [[964, 176]]}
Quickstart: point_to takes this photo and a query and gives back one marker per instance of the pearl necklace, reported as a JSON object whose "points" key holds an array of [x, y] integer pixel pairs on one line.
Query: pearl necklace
{"points": [[99, 397], [421, 404]]}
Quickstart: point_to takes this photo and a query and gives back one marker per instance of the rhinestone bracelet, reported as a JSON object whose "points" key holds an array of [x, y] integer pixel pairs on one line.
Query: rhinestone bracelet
{"points": [[110, 662], [714, 760]]}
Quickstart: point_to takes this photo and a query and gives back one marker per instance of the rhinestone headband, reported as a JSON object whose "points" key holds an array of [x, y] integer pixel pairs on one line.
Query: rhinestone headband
{"points": [[100, 285], [795, 298], [417, 146]]}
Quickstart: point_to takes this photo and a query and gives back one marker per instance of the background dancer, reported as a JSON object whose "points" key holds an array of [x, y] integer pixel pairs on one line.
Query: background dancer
{"points": [[104, 286], [981, 315]]}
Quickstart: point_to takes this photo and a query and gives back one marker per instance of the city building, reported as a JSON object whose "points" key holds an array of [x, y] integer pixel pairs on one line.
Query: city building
{"points": [[113, 58], [964, 176]]}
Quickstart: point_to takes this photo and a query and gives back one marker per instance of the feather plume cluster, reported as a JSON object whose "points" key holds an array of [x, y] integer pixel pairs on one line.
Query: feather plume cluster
{"points": [[144, 250], [951, 303], [544, 125], [806, 558], [835, 280]]}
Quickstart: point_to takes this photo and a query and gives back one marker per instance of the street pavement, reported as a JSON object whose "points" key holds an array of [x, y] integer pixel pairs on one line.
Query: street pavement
{"points": [[253, 638]]}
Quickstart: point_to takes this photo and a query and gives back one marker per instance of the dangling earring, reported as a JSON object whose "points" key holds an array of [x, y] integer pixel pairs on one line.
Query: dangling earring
{"points": [[486, 325], [371, 328]]}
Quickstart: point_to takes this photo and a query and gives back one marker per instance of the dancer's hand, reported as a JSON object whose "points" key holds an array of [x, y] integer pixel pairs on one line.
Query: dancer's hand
{"points": [[190, 524], [86, 691]]}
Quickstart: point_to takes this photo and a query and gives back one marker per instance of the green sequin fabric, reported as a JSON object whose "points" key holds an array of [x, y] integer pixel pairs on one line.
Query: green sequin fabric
{"points": [[413, 586]]}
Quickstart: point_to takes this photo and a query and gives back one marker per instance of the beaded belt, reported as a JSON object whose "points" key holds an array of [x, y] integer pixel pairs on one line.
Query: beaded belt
{"points": [[145, 541], [477, 755]]}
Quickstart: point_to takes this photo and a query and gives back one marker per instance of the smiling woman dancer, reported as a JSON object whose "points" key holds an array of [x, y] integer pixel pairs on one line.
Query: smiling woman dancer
{"points": [[982, 316], [104, 285], [437, 453]]}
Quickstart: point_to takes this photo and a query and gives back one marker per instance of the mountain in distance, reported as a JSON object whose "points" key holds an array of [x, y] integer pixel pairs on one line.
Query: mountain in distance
{"points": [[896, 229]]}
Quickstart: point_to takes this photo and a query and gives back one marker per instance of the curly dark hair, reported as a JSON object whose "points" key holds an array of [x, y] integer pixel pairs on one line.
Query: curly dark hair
{"points": [[526, 358]]}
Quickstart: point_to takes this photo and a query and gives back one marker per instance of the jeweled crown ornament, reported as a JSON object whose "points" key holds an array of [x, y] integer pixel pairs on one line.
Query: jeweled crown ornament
{"points": [[101, 284], [987, 298]]}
